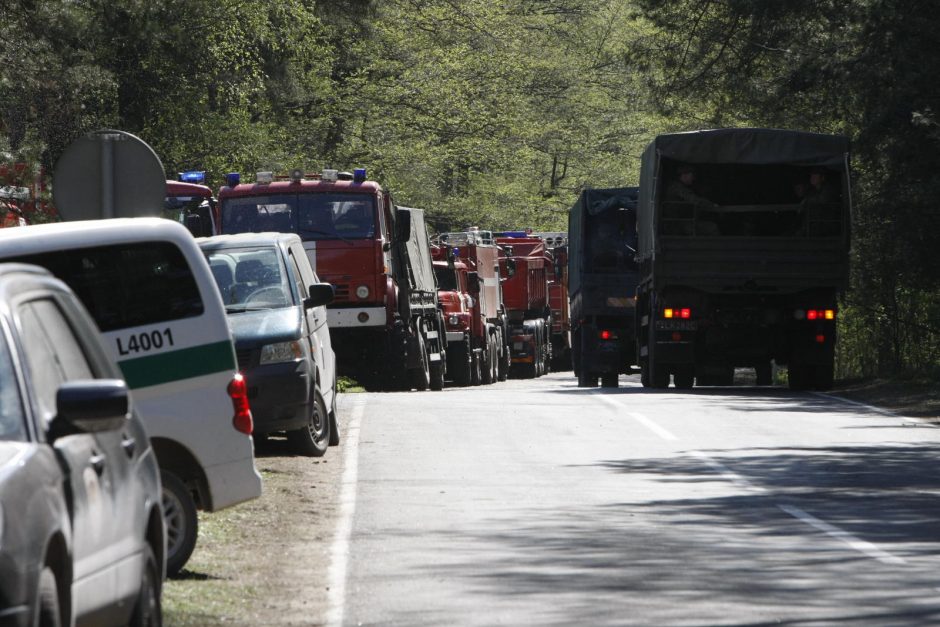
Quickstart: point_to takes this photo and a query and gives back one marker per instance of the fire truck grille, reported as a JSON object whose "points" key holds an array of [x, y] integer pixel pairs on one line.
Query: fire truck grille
{"points": [[341, 291]]}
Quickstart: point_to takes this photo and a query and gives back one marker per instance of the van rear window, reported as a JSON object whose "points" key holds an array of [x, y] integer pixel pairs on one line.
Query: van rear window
{"points": [[127, 285]]}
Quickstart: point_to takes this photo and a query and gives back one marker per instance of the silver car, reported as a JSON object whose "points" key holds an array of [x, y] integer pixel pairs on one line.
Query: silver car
{"points": [[82, 537]]}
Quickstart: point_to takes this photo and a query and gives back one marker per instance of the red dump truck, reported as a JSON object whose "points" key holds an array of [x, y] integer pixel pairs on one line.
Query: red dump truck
{"points": [[529, 267], [470, 294], [384, 321]]}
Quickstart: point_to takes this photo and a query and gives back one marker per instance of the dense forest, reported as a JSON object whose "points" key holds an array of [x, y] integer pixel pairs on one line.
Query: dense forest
{"points": [[496, 113]]}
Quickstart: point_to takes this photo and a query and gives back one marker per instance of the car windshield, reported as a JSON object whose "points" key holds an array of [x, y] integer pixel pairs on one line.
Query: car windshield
{"points": [[313, 216], [250, 278], [11, 409]]}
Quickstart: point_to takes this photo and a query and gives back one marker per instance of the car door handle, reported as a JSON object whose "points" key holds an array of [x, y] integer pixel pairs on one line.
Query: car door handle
{"points": [[97, 462], [129, 445]]}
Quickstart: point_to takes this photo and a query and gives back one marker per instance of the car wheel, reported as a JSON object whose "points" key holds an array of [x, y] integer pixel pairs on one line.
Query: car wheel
{"points": [[182, 524], [147, 611], [48, 610], [313, 438]]}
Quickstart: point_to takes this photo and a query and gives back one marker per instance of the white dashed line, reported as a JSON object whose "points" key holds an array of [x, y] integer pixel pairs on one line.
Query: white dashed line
{"points": [[643, 420], [862, 546]]}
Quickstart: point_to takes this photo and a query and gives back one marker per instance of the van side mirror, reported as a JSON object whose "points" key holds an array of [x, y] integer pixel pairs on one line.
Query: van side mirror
{"points": [[402, 225], [319, 294]]}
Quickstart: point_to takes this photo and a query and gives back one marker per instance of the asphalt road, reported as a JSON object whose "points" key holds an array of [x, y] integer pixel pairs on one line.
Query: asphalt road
{"points": [[538, 503]]}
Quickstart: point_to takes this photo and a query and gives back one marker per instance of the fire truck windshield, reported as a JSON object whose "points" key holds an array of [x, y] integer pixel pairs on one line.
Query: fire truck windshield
{"points": [[446, 278], [316, 216]]}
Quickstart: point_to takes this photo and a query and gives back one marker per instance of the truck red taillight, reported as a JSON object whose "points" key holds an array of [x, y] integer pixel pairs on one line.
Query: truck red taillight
{"points": [[683, 312], [238, 392], [606, 334], [815, 314]]}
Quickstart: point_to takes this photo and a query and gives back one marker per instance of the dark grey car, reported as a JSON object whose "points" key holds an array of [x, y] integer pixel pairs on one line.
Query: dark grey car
{"points": [[81, 522], [275, 308]]}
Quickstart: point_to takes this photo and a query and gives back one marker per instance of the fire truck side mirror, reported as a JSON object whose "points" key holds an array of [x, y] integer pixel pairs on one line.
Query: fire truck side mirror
{"points": [[510, 268], [402, 225], [473, 282]]}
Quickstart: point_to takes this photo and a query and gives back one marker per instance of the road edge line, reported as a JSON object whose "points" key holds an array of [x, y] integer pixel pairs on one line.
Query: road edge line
{"points": [[339, 549]]}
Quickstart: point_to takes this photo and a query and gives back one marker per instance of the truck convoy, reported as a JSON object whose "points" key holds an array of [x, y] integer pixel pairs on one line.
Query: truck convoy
{"points": [[741, 263], [602, 280], [384, 322], [471, 297], [526, 296]]}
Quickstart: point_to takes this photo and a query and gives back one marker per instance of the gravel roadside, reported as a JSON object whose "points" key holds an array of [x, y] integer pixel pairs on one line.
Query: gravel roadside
{"points": [[265, 562]]}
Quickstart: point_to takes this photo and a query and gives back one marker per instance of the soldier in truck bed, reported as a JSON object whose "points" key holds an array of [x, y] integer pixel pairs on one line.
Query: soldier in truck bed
{"points": [[681, 189]]}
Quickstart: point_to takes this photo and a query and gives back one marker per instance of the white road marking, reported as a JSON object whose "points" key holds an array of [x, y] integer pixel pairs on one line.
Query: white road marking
{"points": [[643, 420], [726, 472], [339, 551], [858, 544]]}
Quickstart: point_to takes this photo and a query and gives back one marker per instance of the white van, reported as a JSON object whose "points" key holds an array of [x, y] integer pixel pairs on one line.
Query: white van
{"points": [[149, 288]]}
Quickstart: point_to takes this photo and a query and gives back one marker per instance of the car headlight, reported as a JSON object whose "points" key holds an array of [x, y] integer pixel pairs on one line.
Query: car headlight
{"points": [[362, 292], [453, 320], [281, 352]]}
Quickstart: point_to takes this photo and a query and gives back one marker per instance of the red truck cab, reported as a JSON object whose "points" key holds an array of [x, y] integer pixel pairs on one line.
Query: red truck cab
{"points": [[192, 203], [348, 227]]}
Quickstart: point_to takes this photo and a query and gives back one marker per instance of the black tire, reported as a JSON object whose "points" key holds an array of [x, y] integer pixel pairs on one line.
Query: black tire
{"points": [[645, 378], [610, 380], [48, 608], [147, 609], [576, 352], [182, 524], [421, 376], [437, 375], [684, 379], [461, 363], [334, 424], [659, 376], [312, 439], [489, 361], [824, 376], [764, 374], [798, 376], [587, 379], [476, 368]]}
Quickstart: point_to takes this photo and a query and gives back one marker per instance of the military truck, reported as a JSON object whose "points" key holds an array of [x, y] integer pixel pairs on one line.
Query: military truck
{"points": [[602, 280], [742, 264]]}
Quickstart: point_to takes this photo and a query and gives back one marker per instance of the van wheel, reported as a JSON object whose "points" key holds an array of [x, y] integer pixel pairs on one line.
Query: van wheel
{"points": [[312, 439], [182, 524], [334, 426], [48, 608], [147, 611]]}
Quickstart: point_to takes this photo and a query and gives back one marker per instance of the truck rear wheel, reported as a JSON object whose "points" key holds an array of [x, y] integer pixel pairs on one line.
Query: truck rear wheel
{"points": [[460, 363], [476, 367], [610, 380], [421, 376], [587, 379], [684, 378], [489, 361]]}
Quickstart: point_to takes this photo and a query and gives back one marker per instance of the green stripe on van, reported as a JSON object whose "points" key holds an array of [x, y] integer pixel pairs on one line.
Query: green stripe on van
{"points": [[185, 363]]}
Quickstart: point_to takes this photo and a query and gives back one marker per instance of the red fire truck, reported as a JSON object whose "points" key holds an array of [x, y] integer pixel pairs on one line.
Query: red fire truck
{"points": [[527, 305], [470, 293], [557, 244], [384, 322], [190, 202]]}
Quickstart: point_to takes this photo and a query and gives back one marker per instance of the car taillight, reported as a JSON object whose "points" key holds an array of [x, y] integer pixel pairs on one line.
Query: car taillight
{"points": [[238, 391]]}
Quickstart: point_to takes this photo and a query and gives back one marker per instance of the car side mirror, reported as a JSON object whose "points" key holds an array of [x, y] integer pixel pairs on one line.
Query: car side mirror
{"points": [[91, 406], [319, 294]]}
